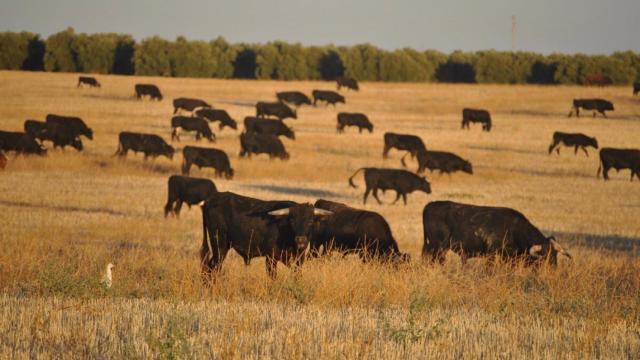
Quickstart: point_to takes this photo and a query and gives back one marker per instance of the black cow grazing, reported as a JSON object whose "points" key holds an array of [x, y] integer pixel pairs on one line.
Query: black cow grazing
{"points": [[277, 109], [254, 143], [218, 115], [328, 96], [277, 230], [189, 190], [149, 144], [471, 230], [88, 80], [476, 116], [575, 140], [596, 105], [402, 142], [60, 136], [188, 104], [401, 181], [636, 88], [349, 83], [148, 90], [206, 157], [20, 143], [72, 125], [444, 161], [296, 98], [197, 124], [273, 127], [354, 119], [619, 159], [350, 230]]}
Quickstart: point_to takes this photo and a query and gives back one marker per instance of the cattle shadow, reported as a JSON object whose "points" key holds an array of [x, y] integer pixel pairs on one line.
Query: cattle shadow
{"points": [[250, 104], [537, 113], [290, 190], [131, 98], [103, 211], [564, 174], [629, 245], [506, 149]]}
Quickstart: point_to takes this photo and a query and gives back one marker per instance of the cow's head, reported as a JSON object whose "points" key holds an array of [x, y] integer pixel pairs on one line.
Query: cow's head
{"points": [[284, 155], [230, 173], [288, 132], [294, 113], [88, 133], [369, 127], [550, 249], [608, 106], [593, 142], [467, 167], [341, 99], [232, 124], [168, 151], [301, 219], [424, 185], [76, 143]]}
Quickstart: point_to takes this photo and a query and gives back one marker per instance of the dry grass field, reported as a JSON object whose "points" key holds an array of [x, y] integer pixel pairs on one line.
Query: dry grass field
{"points": [[66, 215]]}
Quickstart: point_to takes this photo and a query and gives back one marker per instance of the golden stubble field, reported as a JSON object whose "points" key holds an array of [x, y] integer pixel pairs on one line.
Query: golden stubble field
{"points": [[65, 216]]}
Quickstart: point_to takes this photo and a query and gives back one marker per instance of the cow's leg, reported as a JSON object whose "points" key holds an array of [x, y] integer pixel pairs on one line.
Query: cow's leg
{"points": [[366, 194], [585, 150], [359, 130], [385, 151], [603, 114], [404, 198], [558, 150], [375, 195], [177, 207], [397, 198], [605, 172], [174, 134], [197, 135], [552, 146], [575, 150], [168, 207], [271, 264]]}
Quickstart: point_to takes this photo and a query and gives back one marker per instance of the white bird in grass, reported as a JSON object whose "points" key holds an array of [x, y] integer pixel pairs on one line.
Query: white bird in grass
{"points": [[107, 278]]}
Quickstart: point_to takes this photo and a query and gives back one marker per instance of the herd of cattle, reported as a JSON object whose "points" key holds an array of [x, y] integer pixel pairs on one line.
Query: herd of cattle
{"points": [[289, 232]]}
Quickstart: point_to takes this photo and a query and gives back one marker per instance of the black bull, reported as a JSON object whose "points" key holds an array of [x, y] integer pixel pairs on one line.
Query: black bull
{"points": [[277, 230], [471, 230]]}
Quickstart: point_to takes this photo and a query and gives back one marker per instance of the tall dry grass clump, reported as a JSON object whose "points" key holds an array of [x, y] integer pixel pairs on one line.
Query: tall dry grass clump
{"points": [[66, 215]]}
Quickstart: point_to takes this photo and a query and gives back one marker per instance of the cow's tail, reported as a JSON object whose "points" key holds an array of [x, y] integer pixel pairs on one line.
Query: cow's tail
{"points": [[353, 185], [402, 159]]}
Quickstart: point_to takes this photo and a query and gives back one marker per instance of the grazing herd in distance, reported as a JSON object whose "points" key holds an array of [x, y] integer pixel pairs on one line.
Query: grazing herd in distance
{"points": [[287, 231]]}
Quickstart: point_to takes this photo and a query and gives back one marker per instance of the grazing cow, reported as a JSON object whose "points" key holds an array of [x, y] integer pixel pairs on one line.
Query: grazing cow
{"points": [[350, 230], [277, 109], [254, 143], [189, 190], [576, 140], [349, 83], [598, 80], [218, 115], [71, 125], [149, 144], [60, 136], [444, 161], [293, 97], [471, 230], [636, 88], [476, 116], [21, 143], [277, 230], [197, 124], [188, 104], [401, 181], [273, 127], [88, 80], [597, 105], [354, 119], [206, 157], [402, 142], [619, 159], [3, 160], [328, 96], [148, 90]]}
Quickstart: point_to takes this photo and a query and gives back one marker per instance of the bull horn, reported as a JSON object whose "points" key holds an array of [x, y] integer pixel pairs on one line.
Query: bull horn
{"points": [[557, 247], [535, 250], [322, 212], [279, 212]]}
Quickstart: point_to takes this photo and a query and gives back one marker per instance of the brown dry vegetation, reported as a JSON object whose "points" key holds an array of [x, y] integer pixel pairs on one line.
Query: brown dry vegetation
{"points": [[65, 216]]}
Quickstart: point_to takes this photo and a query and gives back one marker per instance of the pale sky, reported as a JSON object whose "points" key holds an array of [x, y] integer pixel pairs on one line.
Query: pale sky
{"points": [[569, 26]]}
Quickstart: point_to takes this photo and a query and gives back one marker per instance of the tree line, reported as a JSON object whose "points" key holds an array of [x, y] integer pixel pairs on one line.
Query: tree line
{"points": [[111, 53]]}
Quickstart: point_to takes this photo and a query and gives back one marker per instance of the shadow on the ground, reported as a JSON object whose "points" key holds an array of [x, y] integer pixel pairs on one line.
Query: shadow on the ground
{"points": [[291, 190], [629, 245], [103, 211]]}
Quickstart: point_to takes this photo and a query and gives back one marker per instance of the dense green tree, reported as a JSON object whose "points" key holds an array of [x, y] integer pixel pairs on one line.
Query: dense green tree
{"points": [[244, 65], [331, 65], [224, 54], [191, 59], [152, 57], [21, 51], [59, 54]]}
